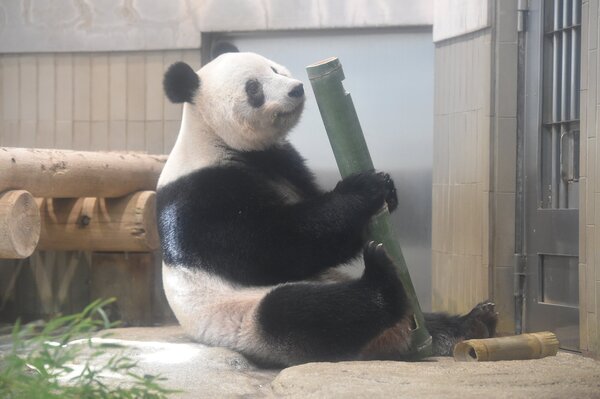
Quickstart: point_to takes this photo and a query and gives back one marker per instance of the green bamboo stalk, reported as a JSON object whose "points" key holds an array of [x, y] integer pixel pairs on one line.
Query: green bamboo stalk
{"points": [[352, 156]]}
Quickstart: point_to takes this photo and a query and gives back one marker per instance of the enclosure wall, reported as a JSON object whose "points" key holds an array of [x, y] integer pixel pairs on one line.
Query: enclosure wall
{"points": [[89, 101], [589, 199], [461, 188], [83, 101], [474, 160]]}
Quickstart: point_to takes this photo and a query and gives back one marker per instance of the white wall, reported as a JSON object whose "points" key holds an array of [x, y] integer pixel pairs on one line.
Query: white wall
{"points": [[108, 25], [452, 18]]}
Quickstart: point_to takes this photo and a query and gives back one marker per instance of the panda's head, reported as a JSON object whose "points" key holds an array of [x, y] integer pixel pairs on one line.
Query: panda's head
{"points": [[248, 101]]}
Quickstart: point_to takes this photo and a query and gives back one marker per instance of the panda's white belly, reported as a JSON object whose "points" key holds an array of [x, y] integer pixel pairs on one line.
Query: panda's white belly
{"points": [[210, 309]]}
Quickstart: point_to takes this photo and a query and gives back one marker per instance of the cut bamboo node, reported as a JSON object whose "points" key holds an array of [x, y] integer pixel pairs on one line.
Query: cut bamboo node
{"points": [[19, 224], [518, 347]]}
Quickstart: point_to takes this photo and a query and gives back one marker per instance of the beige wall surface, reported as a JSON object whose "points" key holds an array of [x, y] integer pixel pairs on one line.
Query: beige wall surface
{"points": [[589, 198], [474, 167], [461, 187], [503, 161], [89, 101]]}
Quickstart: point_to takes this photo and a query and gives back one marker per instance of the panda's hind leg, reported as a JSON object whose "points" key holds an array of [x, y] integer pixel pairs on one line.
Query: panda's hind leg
{"points": [[305, 322], [447, 330]]}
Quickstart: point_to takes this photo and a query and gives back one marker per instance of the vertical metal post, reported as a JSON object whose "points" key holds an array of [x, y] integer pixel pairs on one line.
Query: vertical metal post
{"points": [[572, 199], [575, 17], [565, 92], [556, 102], [565, 64], [520, 259], [352, 156]]}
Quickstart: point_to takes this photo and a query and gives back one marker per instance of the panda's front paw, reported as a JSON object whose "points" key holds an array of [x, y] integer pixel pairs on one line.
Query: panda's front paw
{"points": [[371, 186]]}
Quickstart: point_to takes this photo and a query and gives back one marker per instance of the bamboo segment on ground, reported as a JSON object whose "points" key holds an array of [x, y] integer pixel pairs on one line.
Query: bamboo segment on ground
{"points": [[126, 224], [518, 347], [77, 174], [19, 224]]}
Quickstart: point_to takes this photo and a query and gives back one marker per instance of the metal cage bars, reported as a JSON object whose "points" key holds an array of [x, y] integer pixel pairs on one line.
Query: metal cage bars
{"points": [[561, 80]]}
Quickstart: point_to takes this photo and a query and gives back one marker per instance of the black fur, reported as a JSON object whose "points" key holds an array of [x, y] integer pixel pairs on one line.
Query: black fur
{"points": [[255, 93], [222, 48], [446, 330], [233, 222], [230, 220], [329, 322], [258, 219], [181, 83]]}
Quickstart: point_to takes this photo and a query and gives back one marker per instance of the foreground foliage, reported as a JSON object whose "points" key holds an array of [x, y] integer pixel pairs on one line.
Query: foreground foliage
{"points": [[60, 360]]}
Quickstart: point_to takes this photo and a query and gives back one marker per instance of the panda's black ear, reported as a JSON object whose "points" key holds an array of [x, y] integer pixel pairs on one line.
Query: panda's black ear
{"points": [[180, 83], [221, 48]]}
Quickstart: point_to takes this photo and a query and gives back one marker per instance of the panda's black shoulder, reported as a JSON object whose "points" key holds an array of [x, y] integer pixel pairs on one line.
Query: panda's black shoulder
{"points": [[212, 188], [282, 161]]}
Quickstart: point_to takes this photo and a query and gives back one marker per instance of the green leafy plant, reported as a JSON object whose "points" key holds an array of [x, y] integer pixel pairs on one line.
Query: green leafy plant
{"points": [[59, 359]]}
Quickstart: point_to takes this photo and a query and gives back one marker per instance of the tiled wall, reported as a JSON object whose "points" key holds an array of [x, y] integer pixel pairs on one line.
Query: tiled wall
{"points": [[504, 161], [89, 101], [589, 203], [461, 184], [474, 167]]}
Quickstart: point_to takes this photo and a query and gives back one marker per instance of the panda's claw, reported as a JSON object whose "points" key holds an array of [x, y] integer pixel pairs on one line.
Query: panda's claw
{"points": [[391, 197]]}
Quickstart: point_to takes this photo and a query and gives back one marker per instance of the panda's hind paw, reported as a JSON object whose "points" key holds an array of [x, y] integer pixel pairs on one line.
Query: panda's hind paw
{"points": [[378, 264], [482, 320]]}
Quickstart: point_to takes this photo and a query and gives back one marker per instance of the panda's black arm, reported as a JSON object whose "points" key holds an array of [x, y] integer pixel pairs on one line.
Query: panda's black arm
{"points": [[232, 222], [328, 229]]}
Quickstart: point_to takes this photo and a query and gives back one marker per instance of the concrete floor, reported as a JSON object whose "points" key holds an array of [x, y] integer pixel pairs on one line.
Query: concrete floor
{"points": [[205, 372]]}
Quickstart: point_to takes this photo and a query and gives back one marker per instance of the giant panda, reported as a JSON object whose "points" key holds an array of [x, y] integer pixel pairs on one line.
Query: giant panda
{"points": [[252, 246]]}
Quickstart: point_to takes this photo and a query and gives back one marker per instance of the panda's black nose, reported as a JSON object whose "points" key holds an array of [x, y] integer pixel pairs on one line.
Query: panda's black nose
{"points": [[297, 91]]}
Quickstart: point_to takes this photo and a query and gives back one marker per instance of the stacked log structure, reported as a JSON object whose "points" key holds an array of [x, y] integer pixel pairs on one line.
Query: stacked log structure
{"points": [[77, 200]]}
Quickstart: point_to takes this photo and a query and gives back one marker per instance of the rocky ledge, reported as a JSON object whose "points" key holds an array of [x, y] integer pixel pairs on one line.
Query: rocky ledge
{"points": [[204, 372]]}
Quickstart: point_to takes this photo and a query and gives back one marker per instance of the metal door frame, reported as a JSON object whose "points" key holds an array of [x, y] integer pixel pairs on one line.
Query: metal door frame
{"points": [[549, 228]]}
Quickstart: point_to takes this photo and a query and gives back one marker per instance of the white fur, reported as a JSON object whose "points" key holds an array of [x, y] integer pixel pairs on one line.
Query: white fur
{"points": [[221, 117], [209, 308], [196, 147], [222, 101], [218, 313]]}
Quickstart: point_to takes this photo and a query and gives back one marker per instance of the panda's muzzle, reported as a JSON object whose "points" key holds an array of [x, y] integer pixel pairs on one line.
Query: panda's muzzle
{"points": [[282, 114], [286, 119]]}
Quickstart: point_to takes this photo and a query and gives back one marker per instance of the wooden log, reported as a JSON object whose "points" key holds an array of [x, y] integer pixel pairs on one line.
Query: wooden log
{"points": [[77, 174], [19, 224], [126, 224]]}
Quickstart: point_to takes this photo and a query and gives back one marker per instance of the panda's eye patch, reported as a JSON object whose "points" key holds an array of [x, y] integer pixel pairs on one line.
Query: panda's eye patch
{"points": [[253, 87], [254, 90]]}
